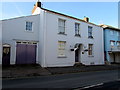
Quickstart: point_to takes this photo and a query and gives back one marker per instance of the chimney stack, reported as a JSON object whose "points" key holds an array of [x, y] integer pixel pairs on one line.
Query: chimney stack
{"points": [[38, 4], [86, 19]]}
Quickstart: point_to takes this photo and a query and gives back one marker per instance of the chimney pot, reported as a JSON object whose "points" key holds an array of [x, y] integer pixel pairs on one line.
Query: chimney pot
{"points": [[38, 4]]}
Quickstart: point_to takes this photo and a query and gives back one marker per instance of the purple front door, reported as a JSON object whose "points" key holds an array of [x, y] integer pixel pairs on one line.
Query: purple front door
{"points": [[26, 54], [6, 56], [77, 55]]}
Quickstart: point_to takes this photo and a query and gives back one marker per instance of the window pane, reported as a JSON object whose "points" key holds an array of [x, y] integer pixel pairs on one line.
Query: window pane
{"points": [[77, 26], [90, 49], [29, 26], [61, 26], [61, 48], [89, 31], [112, 43], [118, 43]]}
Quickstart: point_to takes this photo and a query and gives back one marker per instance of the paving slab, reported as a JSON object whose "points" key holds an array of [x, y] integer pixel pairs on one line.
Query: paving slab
{"points": [[75, 69], [22, 71]]}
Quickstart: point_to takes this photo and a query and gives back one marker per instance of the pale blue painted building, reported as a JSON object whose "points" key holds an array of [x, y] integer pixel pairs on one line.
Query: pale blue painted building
{"points": [[111, 44]]}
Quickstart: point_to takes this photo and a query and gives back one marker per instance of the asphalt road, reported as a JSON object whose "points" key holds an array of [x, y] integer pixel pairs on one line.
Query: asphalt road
{"points": [[75, 80], [114, 85]]}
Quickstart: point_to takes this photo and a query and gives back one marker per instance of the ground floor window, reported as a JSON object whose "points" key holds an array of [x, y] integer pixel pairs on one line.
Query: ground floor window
{"points": [[112, 43], [61, 48], [118, 43], [90, 49]]}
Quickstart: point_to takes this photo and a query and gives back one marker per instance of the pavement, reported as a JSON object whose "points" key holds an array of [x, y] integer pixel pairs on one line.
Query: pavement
{"points": [[25, 71], [88, 68], [21, 71]]}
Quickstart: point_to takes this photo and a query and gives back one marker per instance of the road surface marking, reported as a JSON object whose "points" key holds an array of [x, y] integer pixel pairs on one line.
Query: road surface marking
{"points": [[92, 86]]}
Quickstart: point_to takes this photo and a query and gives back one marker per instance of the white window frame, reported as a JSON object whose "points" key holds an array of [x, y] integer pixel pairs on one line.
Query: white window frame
{"points": [[61, 24], [61, 48], [26, 28], [112, 43], [118, 43], [26, 42], [90, 32], [90, 49], [77, 29]]}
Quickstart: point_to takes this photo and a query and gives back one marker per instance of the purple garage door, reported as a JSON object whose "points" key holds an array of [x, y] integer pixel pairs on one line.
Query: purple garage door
{"points": [[26, 54]]}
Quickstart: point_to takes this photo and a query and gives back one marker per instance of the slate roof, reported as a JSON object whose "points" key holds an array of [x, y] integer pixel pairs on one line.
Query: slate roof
{"points": [[109, 27]]}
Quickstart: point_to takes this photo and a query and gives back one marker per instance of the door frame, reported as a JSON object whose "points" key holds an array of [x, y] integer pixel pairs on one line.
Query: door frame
{"points": [[79, 53], [6, 46]]}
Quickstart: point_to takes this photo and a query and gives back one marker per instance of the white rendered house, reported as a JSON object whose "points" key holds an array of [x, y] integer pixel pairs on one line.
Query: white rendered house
{"points": [[52, 39]]}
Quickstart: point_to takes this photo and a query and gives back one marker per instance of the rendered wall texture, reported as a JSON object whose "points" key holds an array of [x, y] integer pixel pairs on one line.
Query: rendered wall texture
{"points": [[52, 38], [15, 29]]}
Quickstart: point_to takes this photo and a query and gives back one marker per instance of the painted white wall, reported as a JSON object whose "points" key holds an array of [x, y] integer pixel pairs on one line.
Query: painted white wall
{"points": [[52, 38], [42, 39], [45, 30], [42, 31], [15, 29], [0, 42]]}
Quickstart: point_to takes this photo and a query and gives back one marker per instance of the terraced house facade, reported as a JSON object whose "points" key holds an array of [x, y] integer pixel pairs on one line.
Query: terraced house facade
{"points": [[51, 39], [112, 44]]}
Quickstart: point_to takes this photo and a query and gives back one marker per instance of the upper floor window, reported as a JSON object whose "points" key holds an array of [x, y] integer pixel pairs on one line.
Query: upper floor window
{"points": [[90, 32], [118, 33], [112, 32], [61, 26], [28, 26], [77, 29], [118, 43], [90, 49]]}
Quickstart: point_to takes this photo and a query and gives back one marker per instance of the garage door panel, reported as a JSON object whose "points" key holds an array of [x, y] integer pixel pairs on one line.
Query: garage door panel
{"points": [[21, 54], [25, 54], [31, 54]]}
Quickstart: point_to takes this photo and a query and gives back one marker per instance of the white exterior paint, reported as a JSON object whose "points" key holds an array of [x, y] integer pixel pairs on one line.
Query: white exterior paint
{"points": [[51, 38], [37, 11], [42, 39], [15, 30], [45, 31]]}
